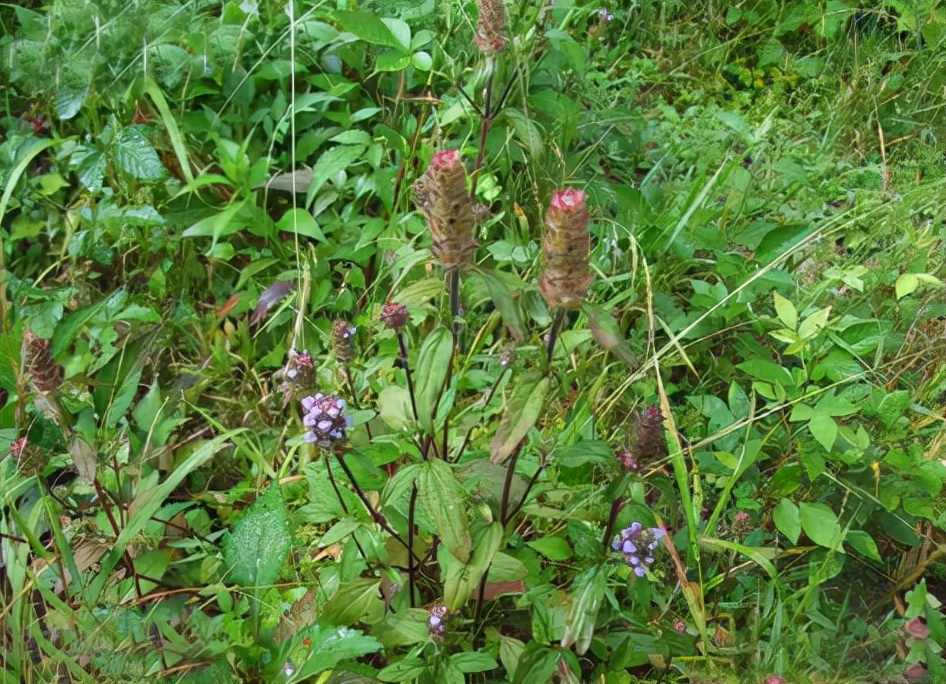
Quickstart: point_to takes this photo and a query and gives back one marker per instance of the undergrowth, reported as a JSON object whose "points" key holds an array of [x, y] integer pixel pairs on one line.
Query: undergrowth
{"points": [[461, 341]]}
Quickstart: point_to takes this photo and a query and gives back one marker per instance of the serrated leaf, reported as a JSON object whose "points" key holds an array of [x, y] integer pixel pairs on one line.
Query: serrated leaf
{"points": [[135, 155], [442, 499], [260, 541]]}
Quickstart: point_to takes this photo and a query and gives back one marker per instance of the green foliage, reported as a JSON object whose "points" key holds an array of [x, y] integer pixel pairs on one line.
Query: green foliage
{"points": [[196, 193]]}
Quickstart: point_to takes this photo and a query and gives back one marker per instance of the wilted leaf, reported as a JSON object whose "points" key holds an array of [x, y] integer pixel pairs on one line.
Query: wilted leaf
{"points": [[83, 457]]}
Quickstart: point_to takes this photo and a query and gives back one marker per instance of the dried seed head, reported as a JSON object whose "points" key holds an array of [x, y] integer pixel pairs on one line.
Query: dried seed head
{"points": [[649, 442], [342, 333], [325, 418], [394, 315], [45, 374], [491, 27], [566, 276], [442, 196]]}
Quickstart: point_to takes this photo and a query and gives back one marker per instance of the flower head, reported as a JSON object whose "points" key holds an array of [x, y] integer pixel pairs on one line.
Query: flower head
{"points": [[491, 27], [325, 419], [638, 544], [342, 334], [566, 276], [394, 315], [917, 628], [442, 196], [437, 616]]}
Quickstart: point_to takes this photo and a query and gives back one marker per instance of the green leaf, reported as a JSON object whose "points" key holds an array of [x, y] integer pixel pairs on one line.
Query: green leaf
{"points": [[521, 415], [433, 362], [473, 661], [584, 452], [766, 370], [814, 324], [147, 503], [394, 404], [408, 669], [462, 579], [587, 595], [786, 311], [326, 648], [301, 222], [352, 601], [553, 548], [824, 429], [372, 29], [821, 525], [864, 544], [906, 285], [135, 155], [607, 333], [330, 163], [504, 302], [442, 499], [260, 541], [788, 519]]}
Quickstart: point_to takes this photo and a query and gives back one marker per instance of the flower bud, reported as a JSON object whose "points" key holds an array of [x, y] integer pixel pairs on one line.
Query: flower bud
{"points": [[342, 332], [394, 315]]}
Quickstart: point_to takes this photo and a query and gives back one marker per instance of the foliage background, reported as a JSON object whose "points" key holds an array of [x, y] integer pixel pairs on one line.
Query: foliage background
{"points": [[192, 189]]}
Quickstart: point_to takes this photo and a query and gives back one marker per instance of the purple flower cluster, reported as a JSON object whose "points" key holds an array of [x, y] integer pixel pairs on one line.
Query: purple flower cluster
{"points": [[437, 616], [638, 543], [325, 417]]}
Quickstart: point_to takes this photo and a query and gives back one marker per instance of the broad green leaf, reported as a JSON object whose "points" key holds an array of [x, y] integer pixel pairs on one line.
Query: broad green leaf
{"points": [[788, 519], [521, 415], [864, 544], [327, 647], [906, 285], [584, 452], [406, 670], [537, 664], [462, 579], [135, 155], [403, 628], [300, 221], [442, 499], [824, 429], [821, 525], [814, 324], [504, 302], [394, 404], [553, 548], [473, 661], [766, 370], [352, 601], [260, 541], [433, 362], [330, 163], [371, 28], [786, 311]]}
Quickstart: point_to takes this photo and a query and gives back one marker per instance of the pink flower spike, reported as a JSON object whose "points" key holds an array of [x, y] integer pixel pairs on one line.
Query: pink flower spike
{"points": [[917, 628]]}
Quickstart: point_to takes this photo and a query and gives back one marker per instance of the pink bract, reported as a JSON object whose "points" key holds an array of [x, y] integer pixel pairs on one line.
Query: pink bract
{"points": [[569, 199]]}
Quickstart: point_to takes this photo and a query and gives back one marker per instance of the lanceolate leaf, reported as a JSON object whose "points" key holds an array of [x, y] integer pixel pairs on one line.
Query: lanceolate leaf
{"points": [[432, 364], [520, 417], [442, 499]]}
